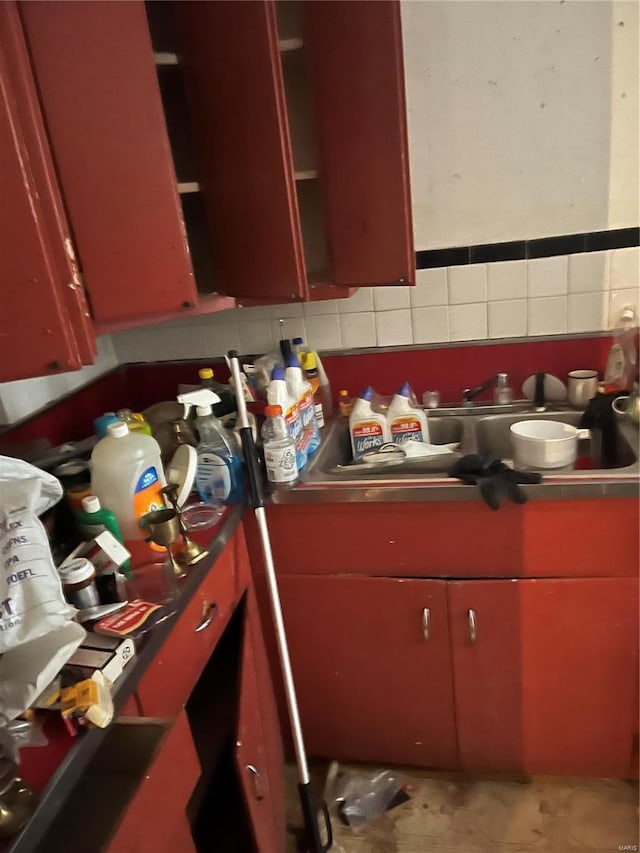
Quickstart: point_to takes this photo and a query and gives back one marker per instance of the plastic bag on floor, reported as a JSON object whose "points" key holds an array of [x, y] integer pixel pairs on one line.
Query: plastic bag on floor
{"points": [[359, 797]]}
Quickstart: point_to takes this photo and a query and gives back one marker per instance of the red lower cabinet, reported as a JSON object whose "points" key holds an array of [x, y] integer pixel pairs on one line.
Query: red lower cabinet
{"points": [[372, 667], [156, 818], [546, 674]]}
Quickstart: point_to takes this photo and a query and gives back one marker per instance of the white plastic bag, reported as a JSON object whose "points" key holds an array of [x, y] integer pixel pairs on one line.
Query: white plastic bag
{"points": [[32, 603]]}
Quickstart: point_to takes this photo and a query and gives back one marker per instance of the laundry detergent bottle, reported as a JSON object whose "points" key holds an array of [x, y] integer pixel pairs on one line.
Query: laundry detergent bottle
{"points": [[127, 477], [219, 471], [369, 429], [302, 391], [406, 421]]}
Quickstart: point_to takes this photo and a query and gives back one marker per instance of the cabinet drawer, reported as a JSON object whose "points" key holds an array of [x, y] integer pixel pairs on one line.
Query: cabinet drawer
{"points": [[178, 664]]}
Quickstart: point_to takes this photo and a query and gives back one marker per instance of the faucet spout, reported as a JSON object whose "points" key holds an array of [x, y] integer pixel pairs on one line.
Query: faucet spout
{"points": [[469, 394]]}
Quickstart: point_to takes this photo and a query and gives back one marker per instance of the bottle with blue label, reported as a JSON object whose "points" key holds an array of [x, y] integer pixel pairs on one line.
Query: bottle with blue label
{"points": [[301, 390], [219, 471], [127, 477], [278, 394], [368, 428]]}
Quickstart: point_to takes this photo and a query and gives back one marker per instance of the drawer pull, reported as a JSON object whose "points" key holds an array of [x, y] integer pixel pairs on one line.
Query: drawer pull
{"points": [[257, 781], [473, 627], [426, 622], [209, 613]]}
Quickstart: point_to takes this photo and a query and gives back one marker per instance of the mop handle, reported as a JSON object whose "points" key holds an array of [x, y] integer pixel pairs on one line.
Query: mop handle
{"points": [[256, 496]]}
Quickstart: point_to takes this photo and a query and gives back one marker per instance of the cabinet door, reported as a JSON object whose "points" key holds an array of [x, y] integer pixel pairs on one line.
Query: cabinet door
{"points": [[251, 754], [98, 84], [231, 61], [372, 668], [546, 681], [156, 818], [43, 323], [358, 86]]}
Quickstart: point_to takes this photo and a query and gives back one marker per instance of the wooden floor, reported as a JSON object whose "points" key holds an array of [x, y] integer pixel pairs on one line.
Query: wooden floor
{"points": [[487, 814]]}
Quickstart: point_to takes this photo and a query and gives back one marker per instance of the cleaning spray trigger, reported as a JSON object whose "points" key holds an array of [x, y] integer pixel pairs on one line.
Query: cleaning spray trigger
{"points": [[199, 397]]}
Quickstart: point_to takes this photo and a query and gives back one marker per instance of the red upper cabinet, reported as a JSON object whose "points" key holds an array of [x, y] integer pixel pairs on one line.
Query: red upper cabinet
{"points": [[97, 78], [44, 323], [357, 79]]}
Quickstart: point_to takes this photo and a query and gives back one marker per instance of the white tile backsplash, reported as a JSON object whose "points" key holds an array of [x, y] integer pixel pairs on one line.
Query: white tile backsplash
{"points": [[358, 329], [323, 332], [393, 328], [507, 280], [430, 325], [468, 322], [589, 272], [430, 288], [468, 302], [467, 284], [587, 312], [388, 298], [547, 276], [547, 316], [508, 319], [362, 300]]}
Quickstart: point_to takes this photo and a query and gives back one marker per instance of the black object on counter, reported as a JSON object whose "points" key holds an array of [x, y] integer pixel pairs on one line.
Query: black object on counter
{"points": [[496, 480], [600, 415], [538, 394]]}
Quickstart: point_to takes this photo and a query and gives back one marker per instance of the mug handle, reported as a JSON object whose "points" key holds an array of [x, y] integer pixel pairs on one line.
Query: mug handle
{"points": [[618, 409]]}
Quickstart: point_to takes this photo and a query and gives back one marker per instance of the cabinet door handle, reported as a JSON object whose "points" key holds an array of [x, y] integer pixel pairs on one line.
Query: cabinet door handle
{"points": [[426, 622], [473, 627], [257, 781], [209, 613]]}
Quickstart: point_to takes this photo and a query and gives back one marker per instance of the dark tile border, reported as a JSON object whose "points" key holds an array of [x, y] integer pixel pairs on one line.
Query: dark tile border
{"points": [[566, 244]]}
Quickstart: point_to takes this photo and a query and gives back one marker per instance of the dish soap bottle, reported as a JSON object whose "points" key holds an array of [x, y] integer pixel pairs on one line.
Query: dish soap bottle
{"points": [[219, 470], [368, 429], [622, 360], [127, 477], [406, 421], [279, 450]]}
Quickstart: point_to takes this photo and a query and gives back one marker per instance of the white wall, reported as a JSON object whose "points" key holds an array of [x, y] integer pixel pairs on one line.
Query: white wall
{"points": [[523, 118], [22, 398]]}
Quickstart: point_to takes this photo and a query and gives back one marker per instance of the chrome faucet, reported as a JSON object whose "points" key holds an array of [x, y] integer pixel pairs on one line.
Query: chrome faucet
{"points": [[498, 380]]}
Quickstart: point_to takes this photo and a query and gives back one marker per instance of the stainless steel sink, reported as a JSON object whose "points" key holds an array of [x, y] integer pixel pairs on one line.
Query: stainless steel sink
{"points": [[477, 429]]}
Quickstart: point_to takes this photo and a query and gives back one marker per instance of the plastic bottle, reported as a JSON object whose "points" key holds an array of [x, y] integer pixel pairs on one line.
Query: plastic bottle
{"points": [[406, 421], [279, 450], [301, 390], [368, 429], [344, 403], [134, 420], [127, 477], [310, 367], [219, 471], [93, 519], [278, 395], [101, 423], [226, 399], [622, 360]]}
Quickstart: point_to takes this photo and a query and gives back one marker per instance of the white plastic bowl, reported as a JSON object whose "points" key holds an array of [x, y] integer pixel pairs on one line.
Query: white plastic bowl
{"points": [[545, 444]]}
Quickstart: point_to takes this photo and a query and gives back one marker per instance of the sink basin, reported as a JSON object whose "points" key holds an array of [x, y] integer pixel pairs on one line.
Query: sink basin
{"points": [[493, 435]]}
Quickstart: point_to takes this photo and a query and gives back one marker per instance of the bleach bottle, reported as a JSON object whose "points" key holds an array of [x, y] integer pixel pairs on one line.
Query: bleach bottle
{"points": [[369, 429], [278, 395], [406, 421], [219, 470], [301, 390]]}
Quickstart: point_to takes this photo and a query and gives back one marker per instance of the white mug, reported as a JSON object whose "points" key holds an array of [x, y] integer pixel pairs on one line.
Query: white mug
{"points": [[583, 386]]}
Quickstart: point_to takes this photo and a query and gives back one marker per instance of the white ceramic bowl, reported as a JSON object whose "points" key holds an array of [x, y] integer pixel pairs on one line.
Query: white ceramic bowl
{"points": [[545, 444]]}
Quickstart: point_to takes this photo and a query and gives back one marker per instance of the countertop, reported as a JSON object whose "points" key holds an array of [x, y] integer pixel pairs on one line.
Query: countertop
{"points": [[85, 746]]}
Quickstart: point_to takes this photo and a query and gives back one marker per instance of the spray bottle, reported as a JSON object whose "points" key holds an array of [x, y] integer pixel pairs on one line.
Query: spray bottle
{"points": [[219, 471]]}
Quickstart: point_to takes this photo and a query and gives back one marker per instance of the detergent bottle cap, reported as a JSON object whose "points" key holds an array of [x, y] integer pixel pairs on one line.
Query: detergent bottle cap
{"points": [[200, 397], [91, 504], [309, 360], [277, 373], [118, 429], [405, 391], [367, 394], [273, 411]]}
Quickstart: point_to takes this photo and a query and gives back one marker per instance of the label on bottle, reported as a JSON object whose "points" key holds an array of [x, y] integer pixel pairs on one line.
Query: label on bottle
{"points": [[147, 495], [90, 531], [406, 428], [367, 435], [281, 465], [213, 479], [319, 415]]}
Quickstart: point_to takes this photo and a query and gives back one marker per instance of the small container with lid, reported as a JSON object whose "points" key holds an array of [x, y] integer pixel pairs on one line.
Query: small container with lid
{"points": [[78, 583]]}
